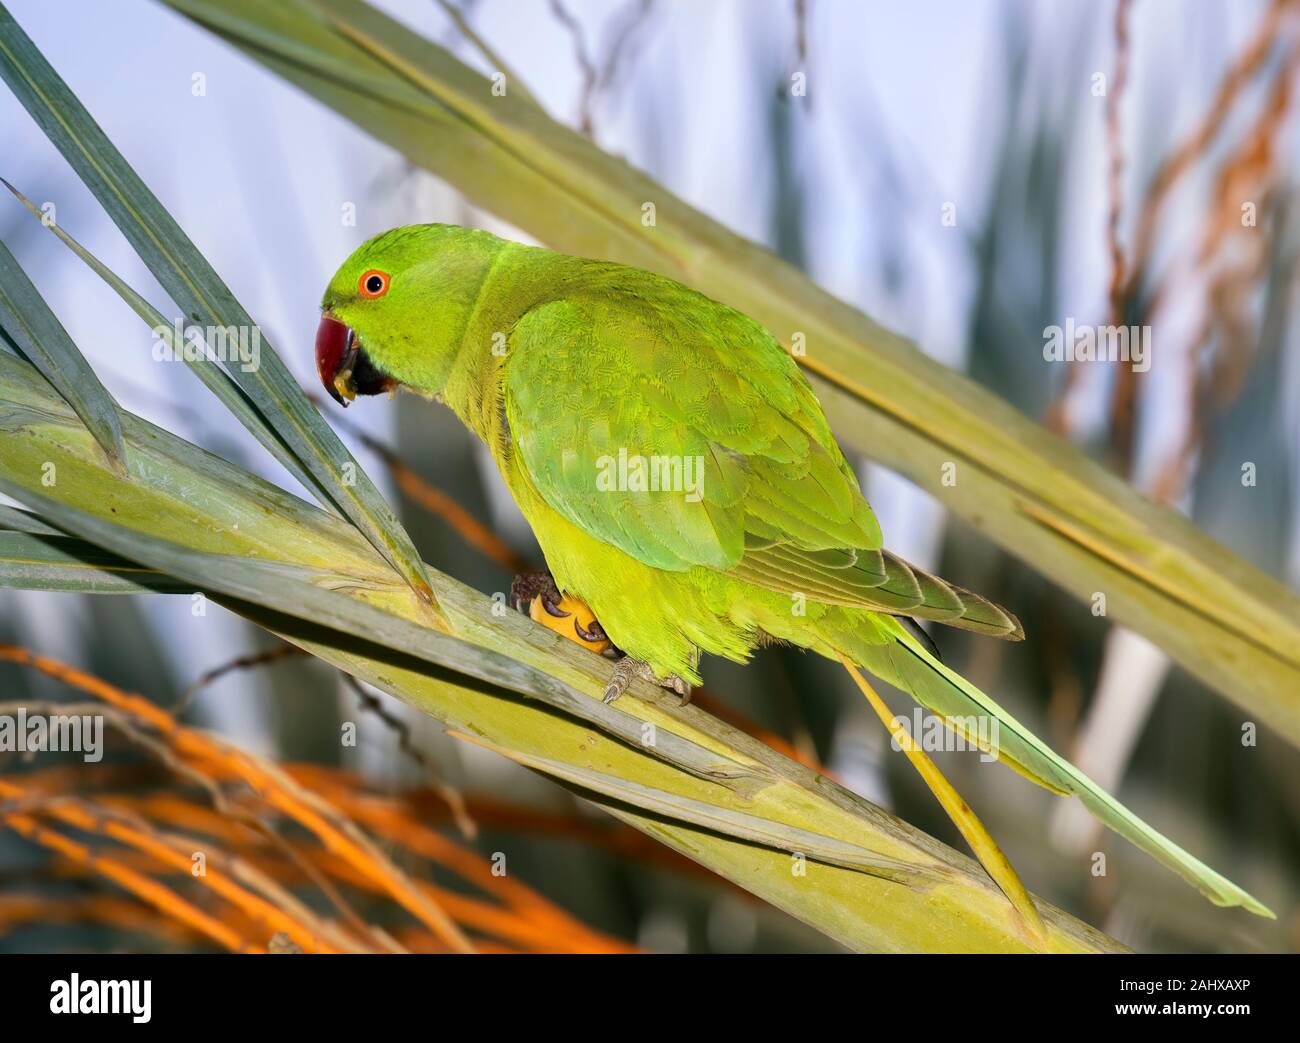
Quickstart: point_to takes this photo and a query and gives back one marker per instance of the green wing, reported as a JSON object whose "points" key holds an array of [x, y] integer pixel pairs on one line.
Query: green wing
{"points": [[641, 366], [631, 362]]}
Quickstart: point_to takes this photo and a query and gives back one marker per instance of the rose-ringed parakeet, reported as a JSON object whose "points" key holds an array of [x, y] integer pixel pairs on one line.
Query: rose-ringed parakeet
{"points": [[677, 471]]}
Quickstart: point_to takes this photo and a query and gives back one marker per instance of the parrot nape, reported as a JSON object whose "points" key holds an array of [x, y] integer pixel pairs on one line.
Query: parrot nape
{"points": [[678, 473]]}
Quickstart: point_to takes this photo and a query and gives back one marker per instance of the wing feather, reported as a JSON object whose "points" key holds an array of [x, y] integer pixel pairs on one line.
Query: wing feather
{"points": [[629, 365]]}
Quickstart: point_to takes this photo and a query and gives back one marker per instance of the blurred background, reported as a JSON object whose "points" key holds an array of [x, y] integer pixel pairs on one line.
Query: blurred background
{"points": [[965, 174]]}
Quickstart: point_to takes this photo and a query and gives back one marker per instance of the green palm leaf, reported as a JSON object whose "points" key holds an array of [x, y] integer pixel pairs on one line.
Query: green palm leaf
{"points": [[201, 295], [27, 319]]}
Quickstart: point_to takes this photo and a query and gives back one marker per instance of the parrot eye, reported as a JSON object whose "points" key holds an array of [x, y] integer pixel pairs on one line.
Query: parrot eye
{"points": [[373, 283]]}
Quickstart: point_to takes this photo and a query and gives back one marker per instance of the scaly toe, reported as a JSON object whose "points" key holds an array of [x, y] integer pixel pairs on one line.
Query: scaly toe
{"points": [[627, 670], [676, 684], [525, 588]]}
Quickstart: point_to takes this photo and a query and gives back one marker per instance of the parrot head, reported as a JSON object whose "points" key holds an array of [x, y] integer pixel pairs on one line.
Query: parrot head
{"points": [[394, 314]]}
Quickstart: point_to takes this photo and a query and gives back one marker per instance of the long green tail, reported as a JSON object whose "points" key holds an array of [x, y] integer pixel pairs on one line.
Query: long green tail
{"points": [[901, 660]]}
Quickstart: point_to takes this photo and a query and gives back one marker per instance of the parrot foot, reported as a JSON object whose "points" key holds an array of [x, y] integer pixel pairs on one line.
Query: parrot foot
{"points": [[627, 670], [536, 584]]}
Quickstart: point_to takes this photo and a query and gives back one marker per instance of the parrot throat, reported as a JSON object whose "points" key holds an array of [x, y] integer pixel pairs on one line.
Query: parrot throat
{"points": [[474, 388], [479, 403], [518, 279]]}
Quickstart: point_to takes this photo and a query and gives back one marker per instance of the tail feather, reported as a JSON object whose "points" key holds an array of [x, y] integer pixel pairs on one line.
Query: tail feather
{"points": [[875, 580], [897, 657], [984, 617]]}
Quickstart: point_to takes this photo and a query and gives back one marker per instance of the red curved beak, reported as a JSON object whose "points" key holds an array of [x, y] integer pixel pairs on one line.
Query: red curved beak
{"points": [[336, 358]]}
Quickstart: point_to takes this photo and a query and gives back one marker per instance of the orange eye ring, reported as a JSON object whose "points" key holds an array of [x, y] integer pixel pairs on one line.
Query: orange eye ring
{"points": [[372, 284]]}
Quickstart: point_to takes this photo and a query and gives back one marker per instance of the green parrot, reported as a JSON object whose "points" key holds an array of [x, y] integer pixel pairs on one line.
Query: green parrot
{"points": [[678, 473]]}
